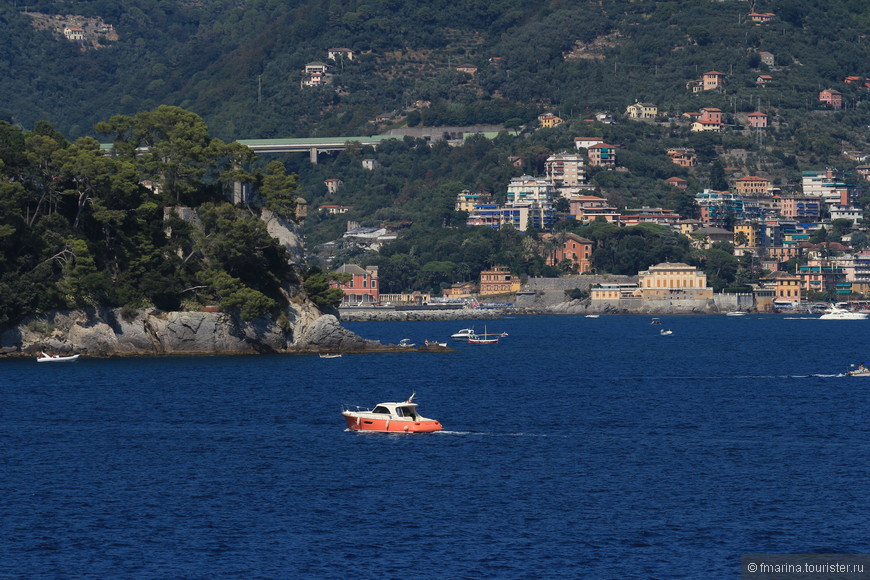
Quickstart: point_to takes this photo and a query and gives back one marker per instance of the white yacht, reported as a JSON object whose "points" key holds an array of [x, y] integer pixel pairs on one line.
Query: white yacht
{"points": [[838, 312]]}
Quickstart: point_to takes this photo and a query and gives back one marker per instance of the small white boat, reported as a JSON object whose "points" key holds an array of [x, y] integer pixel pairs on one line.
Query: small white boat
{"points": [[591, 316], [664, 332], [463, 335], [43, 357], [735, 313], [434, 343], [655, 321], [330, 355], [406, 343]]}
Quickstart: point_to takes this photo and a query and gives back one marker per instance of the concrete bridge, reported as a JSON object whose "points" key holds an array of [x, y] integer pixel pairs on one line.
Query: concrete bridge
{"points": [[313, 145], [316, 145]]}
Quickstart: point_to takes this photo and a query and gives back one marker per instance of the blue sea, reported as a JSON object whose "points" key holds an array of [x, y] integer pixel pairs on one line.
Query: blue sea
{"points": [[576, 447]]}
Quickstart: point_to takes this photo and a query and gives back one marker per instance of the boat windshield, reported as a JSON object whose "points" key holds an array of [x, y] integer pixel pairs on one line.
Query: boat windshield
{"points": [[406, 412], [381, 409]]}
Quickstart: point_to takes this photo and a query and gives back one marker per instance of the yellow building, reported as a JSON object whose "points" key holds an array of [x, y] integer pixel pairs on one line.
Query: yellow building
{"points": [[750, 238], [673, 281], [498, 280], [787, 287], [549, 120], [614, 291], [642, 111]]}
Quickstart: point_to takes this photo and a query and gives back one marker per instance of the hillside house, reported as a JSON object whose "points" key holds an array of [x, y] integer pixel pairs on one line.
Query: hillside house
{"points": [[767, 58], [759, 18], [74, 33], [571, 248], [590, 208], [752, 185], [363, 287], [642, 111], [705, 237], [586, 142], [763, 80], [549, 120], [338, 54], [467, 68], [710, 119], [683, 156], [332, 184], [565, 169], [757, 120], [832, 98], [465, 200], [747, 235], [677, 182], [336, 209], [650, 215], [713, 80], [602, 155], [802, 208], [694, 86]]}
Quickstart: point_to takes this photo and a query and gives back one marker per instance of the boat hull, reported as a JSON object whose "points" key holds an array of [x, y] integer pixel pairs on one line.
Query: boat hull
{"points": [[357, 423], [59, 359]]}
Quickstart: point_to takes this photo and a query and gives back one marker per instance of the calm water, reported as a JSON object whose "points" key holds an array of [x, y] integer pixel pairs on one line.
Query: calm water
{"points": [[592, 447]]}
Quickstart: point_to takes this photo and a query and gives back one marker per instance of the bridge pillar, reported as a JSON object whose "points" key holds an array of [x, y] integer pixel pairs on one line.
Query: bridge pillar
{"points": [[312, 153]]}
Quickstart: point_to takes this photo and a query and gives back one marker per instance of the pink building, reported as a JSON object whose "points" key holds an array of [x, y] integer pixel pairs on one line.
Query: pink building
{"points": [[363, 287], [757, 120], [833, 98]]}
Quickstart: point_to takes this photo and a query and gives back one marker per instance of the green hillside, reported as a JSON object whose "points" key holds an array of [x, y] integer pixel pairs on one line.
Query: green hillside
{"points": [[239, 68], [239, 65]]}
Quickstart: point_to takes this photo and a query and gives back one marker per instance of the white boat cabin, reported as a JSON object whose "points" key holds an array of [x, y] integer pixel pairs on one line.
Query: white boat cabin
{"points": [[396, 411]]}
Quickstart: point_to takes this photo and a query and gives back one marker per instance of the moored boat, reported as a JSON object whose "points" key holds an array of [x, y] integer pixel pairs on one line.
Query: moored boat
{"points": [[485, 338], [390, 418], [330, 355], [406, 343], [463, 335], [735, 313]]}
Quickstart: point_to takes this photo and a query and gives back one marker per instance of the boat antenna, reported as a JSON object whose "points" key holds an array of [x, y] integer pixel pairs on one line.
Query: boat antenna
{"points": [[411, 398]]}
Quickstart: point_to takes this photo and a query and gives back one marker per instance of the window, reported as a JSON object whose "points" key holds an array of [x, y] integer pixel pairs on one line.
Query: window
{"points": [[381, 409]]}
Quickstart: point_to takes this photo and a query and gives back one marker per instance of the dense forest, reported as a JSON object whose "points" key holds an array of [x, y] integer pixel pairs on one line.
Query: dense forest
{"points": [[188, 79], [81, 228]]}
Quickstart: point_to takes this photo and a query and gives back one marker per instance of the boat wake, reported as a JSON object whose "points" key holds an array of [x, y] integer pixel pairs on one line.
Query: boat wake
{"points": [[490, 434]]}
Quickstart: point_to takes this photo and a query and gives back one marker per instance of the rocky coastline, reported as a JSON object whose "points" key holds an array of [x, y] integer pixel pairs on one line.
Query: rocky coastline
{"points": [[150, 332]]}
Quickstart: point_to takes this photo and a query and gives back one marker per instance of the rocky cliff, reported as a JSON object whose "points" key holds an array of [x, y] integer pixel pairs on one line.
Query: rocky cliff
{"points": [[300, 327], [109, 331]]}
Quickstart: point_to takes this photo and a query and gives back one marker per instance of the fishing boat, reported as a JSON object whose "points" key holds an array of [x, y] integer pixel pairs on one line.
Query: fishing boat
{"points": [[463, 335], [330, 355], [390, 418], [664, 332], [655, 321], [43, 357], [485, 338], [435, 343]]}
